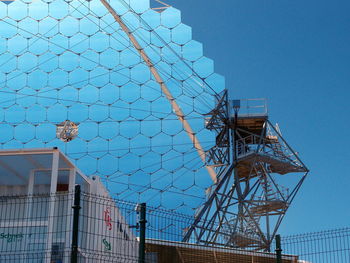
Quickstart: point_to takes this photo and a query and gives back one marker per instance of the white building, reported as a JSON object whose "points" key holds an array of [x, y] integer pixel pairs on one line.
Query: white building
{"points": [[36, 199]]}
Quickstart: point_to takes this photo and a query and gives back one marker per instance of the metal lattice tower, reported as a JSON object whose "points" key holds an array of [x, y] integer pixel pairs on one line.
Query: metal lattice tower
{"points": [[255, 188]]}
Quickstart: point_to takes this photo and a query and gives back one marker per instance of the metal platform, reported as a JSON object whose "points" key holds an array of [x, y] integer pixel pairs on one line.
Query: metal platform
{"points": [[271, 207], [245, 171], [244, 240], [277, 165], [254, 125], [252, 116]]}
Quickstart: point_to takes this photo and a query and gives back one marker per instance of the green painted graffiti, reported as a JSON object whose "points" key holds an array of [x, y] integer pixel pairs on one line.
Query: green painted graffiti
{"points": [[108, 246], [11, 237]]}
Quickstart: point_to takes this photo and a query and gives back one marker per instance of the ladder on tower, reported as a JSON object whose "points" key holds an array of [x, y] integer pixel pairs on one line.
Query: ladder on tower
{"points": [[246, 235], [273, 202]]}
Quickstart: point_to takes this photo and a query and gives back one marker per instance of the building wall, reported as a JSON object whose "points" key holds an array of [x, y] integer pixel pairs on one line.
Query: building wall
{"points": [[170, 253]]}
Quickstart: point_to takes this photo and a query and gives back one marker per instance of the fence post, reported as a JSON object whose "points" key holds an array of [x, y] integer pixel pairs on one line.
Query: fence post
{"points": [[142, 223], [76, 207], [278, 249]]}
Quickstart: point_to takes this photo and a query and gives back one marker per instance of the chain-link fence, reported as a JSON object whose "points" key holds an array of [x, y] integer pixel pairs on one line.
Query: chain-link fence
{"points": [[34, 228], [40, 228], [81, 227], [330, 246], [58, 228]]}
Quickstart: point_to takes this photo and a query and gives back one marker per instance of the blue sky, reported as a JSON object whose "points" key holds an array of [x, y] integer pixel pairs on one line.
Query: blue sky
{"points": [[297, 55]]}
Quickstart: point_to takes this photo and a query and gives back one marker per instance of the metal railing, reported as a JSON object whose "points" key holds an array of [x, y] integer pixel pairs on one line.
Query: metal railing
{"points": [[330, 246], [252, 107], [252, 144]]}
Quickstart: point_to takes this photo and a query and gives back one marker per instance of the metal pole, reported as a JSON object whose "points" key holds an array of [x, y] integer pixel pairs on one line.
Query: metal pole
{"points": [[76, 207], [278, 249], [142, 223]]}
